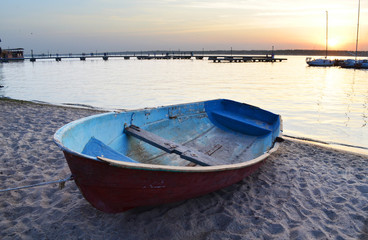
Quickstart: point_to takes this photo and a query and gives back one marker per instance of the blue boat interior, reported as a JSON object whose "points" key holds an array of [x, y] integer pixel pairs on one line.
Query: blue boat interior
{"points": [[96, 148], [223, 129]]}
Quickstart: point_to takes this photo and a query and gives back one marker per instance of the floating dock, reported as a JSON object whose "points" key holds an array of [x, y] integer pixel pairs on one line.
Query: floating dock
{"points": [[245, 59], [11, 54]]}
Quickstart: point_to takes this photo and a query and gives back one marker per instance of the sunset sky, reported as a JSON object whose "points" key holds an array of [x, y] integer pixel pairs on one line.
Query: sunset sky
{"points": [[122, 25]]}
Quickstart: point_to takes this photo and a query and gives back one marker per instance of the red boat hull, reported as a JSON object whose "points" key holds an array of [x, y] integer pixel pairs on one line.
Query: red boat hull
{"points": [[112, 189]]}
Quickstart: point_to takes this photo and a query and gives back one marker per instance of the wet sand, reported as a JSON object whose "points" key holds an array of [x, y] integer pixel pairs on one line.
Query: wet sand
{"points": [[303, 191]]}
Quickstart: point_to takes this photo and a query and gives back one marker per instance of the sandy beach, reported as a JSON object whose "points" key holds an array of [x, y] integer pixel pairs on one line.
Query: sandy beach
{"points": [[303, 191]]}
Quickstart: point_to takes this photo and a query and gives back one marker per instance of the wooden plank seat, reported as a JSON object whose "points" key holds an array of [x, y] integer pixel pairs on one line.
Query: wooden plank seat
{"points": [[186, 153], [242, 124]]}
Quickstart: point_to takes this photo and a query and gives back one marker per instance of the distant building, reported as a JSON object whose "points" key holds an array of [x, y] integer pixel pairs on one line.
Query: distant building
{"points": [[14, 54]]}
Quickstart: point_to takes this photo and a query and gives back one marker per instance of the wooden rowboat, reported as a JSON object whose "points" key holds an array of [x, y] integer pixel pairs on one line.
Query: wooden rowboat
{"points": [[122, 160]]}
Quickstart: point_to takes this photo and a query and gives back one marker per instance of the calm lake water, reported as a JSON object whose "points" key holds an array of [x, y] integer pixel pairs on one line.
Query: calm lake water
{"points": [[327, 104]]}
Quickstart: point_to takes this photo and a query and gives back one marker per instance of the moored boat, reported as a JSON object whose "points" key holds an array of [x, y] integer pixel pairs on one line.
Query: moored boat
{"points": [[349, 63], [122, 160], [319, 62], [363, 64], [355, 63]]}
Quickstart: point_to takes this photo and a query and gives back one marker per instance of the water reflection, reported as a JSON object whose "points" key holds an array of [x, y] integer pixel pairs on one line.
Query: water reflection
{"points": [[341, 103], [365, 110], [350, 96]]}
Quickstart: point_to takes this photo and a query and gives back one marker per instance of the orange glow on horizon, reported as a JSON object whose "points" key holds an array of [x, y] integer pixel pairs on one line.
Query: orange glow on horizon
{"points": [[167, 24]]}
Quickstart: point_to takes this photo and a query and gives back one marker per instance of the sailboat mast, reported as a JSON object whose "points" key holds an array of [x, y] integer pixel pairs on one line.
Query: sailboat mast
{"points": [[327, 33], [356, 46]]}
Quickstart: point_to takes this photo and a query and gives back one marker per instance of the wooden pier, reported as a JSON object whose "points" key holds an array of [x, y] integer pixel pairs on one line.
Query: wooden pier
{"points": [[266, 58], [106, 56]]}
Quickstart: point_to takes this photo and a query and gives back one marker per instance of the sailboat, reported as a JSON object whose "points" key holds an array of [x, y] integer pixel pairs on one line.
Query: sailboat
{"points": [[322, 62], [355, 63]]}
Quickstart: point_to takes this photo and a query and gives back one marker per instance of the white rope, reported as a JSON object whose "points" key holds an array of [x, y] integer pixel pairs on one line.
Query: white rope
{"points": [[323, 142], [61, 184]]}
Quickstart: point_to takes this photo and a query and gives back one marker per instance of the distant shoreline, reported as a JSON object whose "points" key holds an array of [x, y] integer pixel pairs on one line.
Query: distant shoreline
{"points": [[295, 52]]}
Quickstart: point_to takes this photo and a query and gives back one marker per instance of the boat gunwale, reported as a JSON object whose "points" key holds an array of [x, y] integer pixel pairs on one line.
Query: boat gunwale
{"points": [[59, 133]]}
